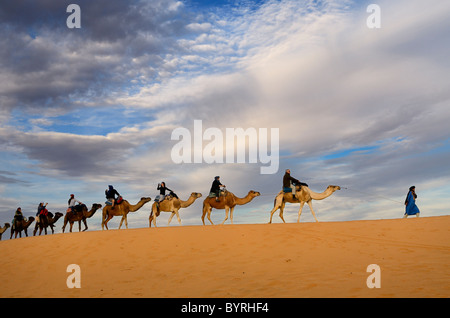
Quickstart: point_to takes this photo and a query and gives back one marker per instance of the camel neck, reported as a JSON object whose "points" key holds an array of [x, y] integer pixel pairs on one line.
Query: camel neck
{"points": [[244, 200], [188, 202]]}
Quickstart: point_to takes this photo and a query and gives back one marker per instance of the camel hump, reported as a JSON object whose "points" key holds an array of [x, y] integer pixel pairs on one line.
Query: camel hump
{"points": [[79, 207]]}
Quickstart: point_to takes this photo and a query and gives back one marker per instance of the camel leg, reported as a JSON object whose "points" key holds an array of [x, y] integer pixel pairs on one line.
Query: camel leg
{"points": [[177, 214], [227, 209], [170, 217], [124, 218], [85, 225], [203, 214], [64, 225], [312, 211], [300, 211], [209, 215], [70, 227], [106, 221], [179, 219], [105, 217], [231, 214], [203, 217], [281, 211], [207, 212], [272, 212], [154, 217], [276, 206], [79, 226], [154, 220], [105, 224]]}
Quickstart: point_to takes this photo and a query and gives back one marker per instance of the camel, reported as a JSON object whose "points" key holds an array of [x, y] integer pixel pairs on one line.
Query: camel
{"points": [[171, 205], [227, 201], [121, 209], [45, 222], [303, 195], [20, 226], [80, 216], [3, 229]]}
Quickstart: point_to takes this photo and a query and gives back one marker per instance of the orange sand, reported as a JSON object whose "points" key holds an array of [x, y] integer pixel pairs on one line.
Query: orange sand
{"points": [[254, 260]]}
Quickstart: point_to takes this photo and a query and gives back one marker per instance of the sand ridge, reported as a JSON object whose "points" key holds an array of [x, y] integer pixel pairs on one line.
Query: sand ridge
{"points": [[327, 259]]}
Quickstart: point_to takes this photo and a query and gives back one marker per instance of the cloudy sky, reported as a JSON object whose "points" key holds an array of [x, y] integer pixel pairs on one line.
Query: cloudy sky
{"points": [[366, 109]]}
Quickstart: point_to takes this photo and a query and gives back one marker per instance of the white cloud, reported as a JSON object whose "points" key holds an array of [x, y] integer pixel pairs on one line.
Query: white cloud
{"points": [[199, 27]]}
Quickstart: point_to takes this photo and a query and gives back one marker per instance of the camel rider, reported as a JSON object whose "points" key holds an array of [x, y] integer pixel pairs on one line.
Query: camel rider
{"points": [[72, 202], [111, 195], [162, 191], [287, 179], [215, 187], [41, 212], [18, 216]]}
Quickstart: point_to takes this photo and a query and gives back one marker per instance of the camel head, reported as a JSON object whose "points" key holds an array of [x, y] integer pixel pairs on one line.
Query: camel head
{"points": [[7, 225], [58, 215], [146, 199], [96, 206], [334, 188], [253, 194], [196, 195]]}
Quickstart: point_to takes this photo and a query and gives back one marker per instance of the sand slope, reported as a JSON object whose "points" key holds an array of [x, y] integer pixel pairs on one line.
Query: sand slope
{"points": [[255, 260]]}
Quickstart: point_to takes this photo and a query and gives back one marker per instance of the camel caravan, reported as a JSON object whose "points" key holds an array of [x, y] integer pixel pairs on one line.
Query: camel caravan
{"points": [[293, 191]]}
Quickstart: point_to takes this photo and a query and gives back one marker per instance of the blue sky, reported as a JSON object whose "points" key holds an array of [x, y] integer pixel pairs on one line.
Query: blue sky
{"points": [[367, 109]]}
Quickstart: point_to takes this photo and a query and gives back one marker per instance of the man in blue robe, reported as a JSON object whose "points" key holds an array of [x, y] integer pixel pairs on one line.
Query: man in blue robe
{"points": [[410, 203]]}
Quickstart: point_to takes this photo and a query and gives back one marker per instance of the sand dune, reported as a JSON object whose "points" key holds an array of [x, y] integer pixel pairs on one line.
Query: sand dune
{"points": [[255, 260]]}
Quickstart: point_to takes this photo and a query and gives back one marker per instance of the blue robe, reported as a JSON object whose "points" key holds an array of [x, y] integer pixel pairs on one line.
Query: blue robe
{"points": [[411, 207]]}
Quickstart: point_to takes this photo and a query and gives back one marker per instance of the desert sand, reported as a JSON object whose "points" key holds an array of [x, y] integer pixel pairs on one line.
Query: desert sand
{"points": [[247, 260]]}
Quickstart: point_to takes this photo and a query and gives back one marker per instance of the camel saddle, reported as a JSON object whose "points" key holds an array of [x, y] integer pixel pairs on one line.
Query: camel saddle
{"points": [[78, 208], [290, 195], [222, 193], [119, 200], [166, 197]]}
